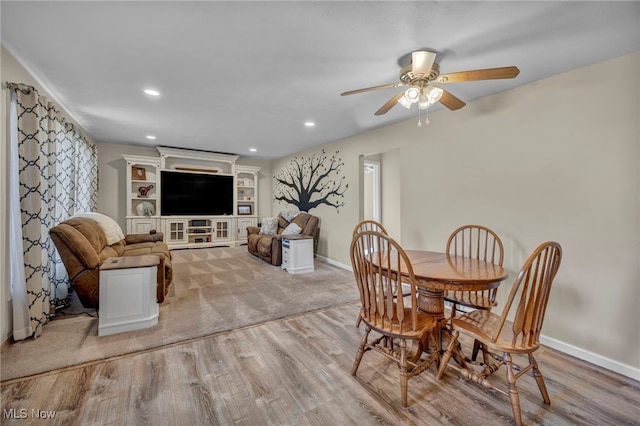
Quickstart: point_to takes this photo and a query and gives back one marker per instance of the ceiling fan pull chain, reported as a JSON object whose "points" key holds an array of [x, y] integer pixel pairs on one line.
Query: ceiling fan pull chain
{"points": [[419, 123], [426, 120]]}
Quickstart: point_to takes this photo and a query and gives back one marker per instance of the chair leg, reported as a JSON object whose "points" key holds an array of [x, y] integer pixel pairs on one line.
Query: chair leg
{"points": [[361, 350], [358, 321], [404, 373], [479, 346], [539, 379], [447, 355], [513, 390]]}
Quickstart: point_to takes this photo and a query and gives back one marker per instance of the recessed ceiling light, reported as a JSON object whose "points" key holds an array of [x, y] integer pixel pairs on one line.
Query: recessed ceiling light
{"points": [[252, 149], [151, 92], [150, 137], [309, 123]]}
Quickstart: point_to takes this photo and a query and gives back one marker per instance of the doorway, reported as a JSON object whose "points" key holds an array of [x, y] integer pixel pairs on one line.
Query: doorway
{"points": [[372, 195], [380, 189]]}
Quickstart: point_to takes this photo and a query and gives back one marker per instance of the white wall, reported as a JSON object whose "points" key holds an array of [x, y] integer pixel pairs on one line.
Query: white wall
{"points": [[555, 160], [558, 159], [391, 178]]}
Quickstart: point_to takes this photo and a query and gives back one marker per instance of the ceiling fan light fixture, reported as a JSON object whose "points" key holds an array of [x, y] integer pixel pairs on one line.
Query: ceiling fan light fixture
{"points": [[423, 70], [412, 94], [410, 97], [404, 102], [429, 96]]}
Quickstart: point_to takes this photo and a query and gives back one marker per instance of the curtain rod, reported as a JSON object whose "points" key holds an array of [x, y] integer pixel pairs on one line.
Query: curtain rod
{"points": [[26, 89]]}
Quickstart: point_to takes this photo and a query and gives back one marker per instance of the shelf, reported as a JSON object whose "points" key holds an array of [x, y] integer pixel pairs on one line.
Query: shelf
{"points": [[174, 158], [182, 231], [246, 192], [142, 172], [199, 240]]}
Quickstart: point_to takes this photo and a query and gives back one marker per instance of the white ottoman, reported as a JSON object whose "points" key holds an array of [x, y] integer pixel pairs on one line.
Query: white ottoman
{"points": [[128, 287]]}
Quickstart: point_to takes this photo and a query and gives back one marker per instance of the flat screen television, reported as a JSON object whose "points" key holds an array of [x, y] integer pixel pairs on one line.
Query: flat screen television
{"points": [[195, 194]]}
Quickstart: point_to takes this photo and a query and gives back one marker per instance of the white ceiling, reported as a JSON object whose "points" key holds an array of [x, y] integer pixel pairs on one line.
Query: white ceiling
{"points": [[236, 75]]}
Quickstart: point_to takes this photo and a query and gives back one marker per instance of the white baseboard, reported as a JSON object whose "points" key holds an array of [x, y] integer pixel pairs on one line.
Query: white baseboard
{"points": [[593, 358], [334, 263]]}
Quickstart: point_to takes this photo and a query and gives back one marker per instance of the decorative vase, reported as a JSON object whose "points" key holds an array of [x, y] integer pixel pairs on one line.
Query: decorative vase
{"points": [[144, 190], [148, 209], [140, 209]]}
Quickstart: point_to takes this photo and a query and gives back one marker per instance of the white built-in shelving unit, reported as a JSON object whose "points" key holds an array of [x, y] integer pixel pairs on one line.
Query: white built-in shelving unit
{"points": [[142, 172], [143, 205], [246, 199]]}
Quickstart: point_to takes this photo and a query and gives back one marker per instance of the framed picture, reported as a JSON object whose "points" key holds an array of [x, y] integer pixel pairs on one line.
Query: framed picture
{"points": [[244, 209], [138, 173]]}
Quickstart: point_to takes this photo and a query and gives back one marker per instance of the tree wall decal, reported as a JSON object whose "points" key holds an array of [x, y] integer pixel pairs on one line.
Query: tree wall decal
{"points": [[310, 182]]}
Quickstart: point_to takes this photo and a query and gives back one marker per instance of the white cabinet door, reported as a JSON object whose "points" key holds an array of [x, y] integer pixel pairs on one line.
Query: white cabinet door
{"points": [[176, 231], [243, 223], [141, 226], [222, 229]]}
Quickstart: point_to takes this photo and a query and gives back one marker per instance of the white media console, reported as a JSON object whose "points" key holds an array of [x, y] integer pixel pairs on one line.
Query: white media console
{"points": [[144, 190]]}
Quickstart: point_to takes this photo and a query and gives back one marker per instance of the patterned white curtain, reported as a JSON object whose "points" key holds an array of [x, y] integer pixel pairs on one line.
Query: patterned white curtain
{"points": [[57, 177]]}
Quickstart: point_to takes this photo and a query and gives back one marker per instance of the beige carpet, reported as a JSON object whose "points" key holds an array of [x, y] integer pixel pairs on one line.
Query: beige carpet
{"points": [[213, 290]]}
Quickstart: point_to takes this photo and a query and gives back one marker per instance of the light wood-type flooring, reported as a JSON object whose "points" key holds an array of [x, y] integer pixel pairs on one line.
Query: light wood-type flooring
{"points": [[296, 371]]}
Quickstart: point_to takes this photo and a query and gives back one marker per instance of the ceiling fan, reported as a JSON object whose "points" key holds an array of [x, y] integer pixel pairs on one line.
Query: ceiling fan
{"points": [[421, 72]]}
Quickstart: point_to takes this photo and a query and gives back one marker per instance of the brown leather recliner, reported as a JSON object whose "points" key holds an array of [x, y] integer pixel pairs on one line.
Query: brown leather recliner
{"points": [[82, 245], [269, 247]]}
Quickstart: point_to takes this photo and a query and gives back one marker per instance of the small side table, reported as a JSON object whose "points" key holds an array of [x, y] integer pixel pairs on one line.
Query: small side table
{"points": [[128, 287], [297, 254]]}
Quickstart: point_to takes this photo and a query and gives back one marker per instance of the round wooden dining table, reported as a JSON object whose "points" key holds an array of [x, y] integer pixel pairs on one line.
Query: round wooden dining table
{"points": [[436, 272]]}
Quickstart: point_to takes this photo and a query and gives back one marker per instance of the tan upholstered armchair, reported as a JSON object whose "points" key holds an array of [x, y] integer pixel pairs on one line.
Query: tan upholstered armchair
{"points": [[82, 245], [269, 247]]}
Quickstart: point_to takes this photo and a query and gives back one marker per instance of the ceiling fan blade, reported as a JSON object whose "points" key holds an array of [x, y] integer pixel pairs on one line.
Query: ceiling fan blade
{"points": [[422, 61], [390, 104], [451, 101], [368, 89], [475, 75]]}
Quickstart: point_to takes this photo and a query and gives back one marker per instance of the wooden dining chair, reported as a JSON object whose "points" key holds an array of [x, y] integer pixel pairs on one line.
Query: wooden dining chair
{"points": [[526, 304], [367, 225], [379, 275], [474, 242]]}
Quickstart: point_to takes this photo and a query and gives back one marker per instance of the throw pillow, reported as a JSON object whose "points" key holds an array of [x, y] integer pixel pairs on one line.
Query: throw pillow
{"points": [[111, 229], [292, 229], [269, 226], [289, 214]]}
